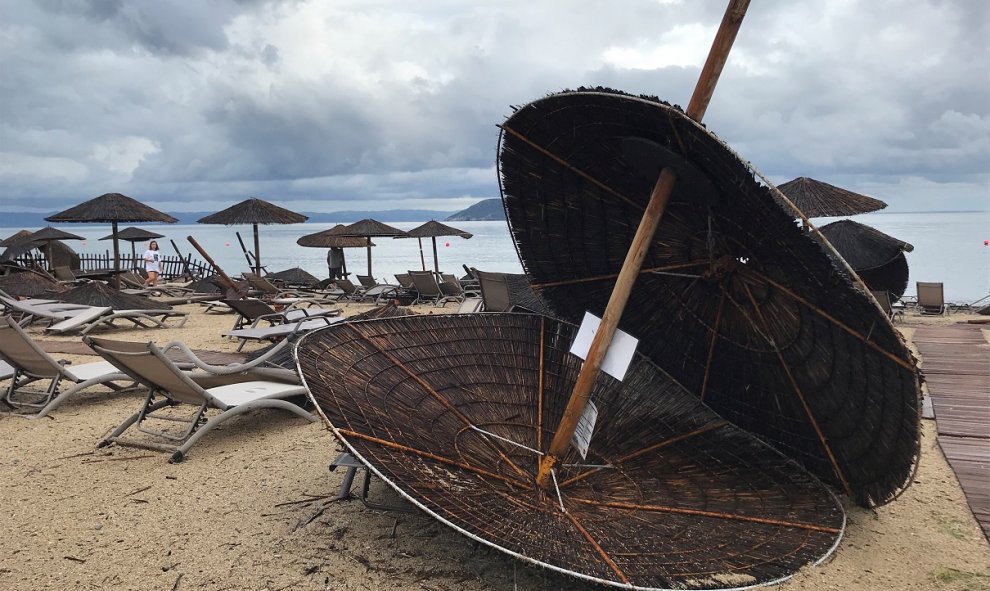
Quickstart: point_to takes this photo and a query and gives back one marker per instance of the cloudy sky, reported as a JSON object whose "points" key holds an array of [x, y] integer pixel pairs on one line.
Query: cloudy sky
{"points": [[326, 105]]}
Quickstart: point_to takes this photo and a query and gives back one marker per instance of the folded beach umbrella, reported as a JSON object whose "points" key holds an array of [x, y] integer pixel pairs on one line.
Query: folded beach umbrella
{"points": [[737, 303], [432, 230], [367, 229], [134, 235], [254, 211], [455, 411], [112, 208], [876, 257], [820, 199]]}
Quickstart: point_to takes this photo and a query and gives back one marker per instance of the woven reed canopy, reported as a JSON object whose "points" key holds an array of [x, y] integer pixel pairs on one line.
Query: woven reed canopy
{"points": [[818, 199], [453, 410], [46, 238], [27, 284], [433, 230], [294, 276], [49, 233], [734, 300], [876, 257], [254, 211], [112, 208], [97, 293], [367, 229], [134, 235], [331, 239], [15, 238]]}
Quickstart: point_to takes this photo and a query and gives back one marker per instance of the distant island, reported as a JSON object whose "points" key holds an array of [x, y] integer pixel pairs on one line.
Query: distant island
{"points": [[482, 211]]}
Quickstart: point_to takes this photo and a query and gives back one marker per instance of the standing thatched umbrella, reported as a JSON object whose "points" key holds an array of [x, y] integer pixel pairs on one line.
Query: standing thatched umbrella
{"points": [[367, 229], [254, 211], [876, 257], [46, 236], [818, 199], [113, 208], [432, 230], [15, 238], [134, 235], [735, 301], [331, 239]]}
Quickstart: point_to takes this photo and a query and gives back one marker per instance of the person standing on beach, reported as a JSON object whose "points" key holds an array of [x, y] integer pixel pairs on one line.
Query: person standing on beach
{"points": [[335, 261], [152, 263]]}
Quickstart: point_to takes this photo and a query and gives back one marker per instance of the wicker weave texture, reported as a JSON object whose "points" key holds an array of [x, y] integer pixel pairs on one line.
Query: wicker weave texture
{"points": [[735, 301], [452, 410]]}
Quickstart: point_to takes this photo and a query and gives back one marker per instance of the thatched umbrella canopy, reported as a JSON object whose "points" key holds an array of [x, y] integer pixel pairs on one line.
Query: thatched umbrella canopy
{"points": [[330, 239], [669, 495], [254, 211], [734, 300], [878, 258], [820, 199], [367, 229], [15, 238], [47, 236], [97, 293], [294, 276], [433, 230], [133, 235], [27, 284], [112, 208]]}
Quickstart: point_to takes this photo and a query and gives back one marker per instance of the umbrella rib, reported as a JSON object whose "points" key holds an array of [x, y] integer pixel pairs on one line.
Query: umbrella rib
{"points": [[443, 401], [615, 275], [711, 346], [906, 365], [714, 514], [601, 551], [539, 392], [645, 450], [433, 456], [570, 167], [800, 395]]}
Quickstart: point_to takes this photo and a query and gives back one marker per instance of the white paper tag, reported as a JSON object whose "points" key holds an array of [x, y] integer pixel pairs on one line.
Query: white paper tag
{"points": [[620, 352], [585, 428]]}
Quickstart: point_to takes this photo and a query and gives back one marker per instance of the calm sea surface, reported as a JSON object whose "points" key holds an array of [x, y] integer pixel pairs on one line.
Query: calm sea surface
{"points": [[948, 247]]}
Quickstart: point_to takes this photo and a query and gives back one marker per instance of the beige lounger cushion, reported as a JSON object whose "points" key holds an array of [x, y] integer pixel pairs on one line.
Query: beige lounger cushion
{"points": [[88, 371], [237, 394]]}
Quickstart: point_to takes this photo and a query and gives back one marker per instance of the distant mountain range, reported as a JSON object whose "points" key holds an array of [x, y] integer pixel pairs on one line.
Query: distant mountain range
{"points": [[488, 209]]}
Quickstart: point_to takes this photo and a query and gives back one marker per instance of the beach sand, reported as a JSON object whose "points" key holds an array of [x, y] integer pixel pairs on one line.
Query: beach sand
{"points": [[229, 517]]}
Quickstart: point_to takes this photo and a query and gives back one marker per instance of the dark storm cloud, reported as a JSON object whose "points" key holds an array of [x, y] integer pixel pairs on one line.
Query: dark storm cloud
{"points": [[393, 102]]}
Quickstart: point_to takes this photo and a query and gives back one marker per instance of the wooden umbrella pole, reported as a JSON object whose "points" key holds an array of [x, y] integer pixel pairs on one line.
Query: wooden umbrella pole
{"points": [[116, 257], [422, 259], [223, 276], [659, 198], [369, 257], [257, 252], [436, 261]]}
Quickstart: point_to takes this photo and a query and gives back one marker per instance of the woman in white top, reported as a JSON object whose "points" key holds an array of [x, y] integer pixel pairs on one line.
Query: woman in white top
{"points": [[152, 263]]}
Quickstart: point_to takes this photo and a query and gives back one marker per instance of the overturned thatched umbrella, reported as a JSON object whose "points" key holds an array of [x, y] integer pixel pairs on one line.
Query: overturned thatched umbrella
{"points": [[294, 276], [820, 199], [367, 229], [668, 496], [734, 300], [112, 208], [329, 239], [876, 257], [433, 230], [97, 293], [27, 284], [134, 235], [254, 211]]}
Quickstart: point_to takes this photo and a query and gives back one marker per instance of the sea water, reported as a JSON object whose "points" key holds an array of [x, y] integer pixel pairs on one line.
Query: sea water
{"points": [[948, 247]]}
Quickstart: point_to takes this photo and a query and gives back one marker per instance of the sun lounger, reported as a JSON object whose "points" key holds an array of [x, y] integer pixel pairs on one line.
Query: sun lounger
{"points": [[429, 289], [280, 296], [883, 298], [280, 331], [29, 311], [95, 318], [250, 312], [30, 363], [230, 389], [931, 298], [6, 370]]}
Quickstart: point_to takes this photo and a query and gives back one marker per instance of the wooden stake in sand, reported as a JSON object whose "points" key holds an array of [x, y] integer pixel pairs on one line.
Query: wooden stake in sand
{"points": [[659, 197]]}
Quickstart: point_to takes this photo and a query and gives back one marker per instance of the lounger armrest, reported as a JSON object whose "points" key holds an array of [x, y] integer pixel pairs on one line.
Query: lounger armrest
{"points": [[226, 369]]}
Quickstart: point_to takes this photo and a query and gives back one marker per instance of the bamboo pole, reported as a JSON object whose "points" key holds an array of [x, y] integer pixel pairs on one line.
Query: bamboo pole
{"points": [[231, 286], [659, 198]]}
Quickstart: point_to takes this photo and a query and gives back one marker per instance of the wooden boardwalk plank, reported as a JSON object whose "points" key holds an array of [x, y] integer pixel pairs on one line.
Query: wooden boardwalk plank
{"points": [[956, 363]]}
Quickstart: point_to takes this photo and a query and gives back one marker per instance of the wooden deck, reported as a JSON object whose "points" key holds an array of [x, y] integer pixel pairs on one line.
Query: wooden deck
{"points": [[956, 364]]}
